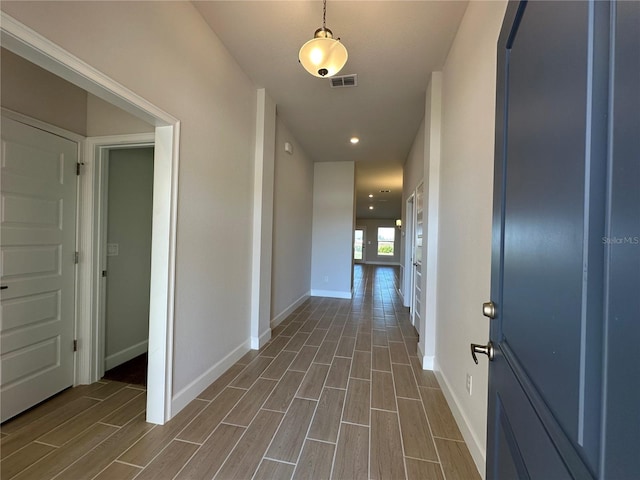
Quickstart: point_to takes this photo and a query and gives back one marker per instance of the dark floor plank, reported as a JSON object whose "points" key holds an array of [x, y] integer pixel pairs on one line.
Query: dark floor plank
{"points": [[386, 447], [315, 461], [208, 459], [287, 443], [352, 453], [246, 456]]}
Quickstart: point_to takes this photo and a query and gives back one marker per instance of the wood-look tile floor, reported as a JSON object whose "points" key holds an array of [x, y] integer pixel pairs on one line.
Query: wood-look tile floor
{"points": [[336, 394]]}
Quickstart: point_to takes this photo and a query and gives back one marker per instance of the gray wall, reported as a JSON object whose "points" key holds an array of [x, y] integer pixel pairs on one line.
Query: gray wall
{"points": [[371, 241], [106, 119], [465, 215], [413, 170], [292, 222], [129, 226], [32, 91], [333, 223], [37, 93]]}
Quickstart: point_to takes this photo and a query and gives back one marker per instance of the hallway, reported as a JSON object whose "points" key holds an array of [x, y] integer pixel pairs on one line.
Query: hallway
{"points": [[337, 393]]}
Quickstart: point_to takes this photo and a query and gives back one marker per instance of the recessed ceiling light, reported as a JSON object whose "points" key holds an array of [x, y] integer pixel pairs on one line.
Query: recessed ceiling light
{"points": [[371, 195], [354, 140], [370, 207]]}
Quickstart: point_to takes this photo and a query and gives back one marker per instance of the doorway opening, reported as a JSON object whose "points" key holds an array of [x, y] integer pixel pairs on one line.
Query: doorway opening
{"points": [[359, 245], [124, 246], [409, 235], [20, 40]]}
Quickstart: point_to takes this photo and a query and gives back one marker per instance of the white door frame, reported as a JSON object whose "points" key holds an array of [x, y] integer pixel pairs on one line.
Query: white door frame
{"points": [[409, 247], [423, 262], [97, 154], [30, 45]]}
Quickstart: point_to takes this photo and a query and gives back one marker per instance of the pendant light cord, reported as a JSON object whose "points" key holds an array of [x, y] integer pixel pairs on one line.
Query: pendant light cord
{"points": [[324, 14]]}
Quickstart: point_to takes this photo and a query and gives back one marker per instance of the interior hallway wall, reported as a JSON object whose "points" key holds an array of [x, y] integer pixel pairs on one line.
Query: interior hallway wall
{"points": [[106, 119], [292, 224], [412, 175], [465, 215], [129, 216], [32, 91], [413, 169], [188, 73], [333, 226]]}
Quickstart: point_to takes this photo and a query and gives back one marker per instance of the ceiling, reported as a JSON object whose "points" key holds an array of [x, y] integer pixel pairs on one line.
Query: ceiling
{"points": [[393, 47]]}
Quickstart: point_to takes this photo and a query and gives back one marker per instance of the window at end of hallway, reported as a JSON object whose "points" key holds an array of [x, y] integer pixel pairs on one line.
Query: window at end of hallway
{"points": [[386, 240]]}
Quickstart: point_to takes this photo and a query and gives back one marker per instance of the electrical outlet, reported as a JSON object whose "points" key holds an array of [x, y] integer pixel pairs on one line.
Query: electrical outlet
{"points": [[469, 383], [326, 279]]}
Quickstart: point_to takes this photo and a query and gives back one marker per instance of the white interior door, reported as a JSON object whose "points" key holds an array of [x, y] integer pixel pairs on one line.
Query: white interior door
{"points": [[38, 220], [416, 307], [409, 247]]}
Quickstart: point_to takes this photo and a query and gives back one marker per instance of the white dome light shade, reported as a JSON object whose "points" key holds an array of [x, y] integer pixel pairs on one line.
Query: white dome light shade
{"points": [[323, 56]]}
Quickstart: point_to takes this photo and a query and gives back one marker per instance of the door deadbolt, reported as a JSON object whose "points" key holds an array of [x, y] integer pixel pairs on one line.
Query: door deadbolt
{"points": [[489, 309], [487, 350]]}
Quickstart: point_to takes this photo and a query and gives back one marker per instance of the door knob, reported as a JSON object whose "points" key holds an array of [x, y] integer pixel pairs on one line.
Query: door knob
{"points": [[489, 309], [487, 350]]}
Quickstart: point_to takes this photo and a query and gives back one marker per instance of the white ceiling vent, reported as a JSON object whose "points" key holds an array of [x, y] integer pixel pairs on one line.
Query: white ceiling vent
{"points": [[344, 81]]}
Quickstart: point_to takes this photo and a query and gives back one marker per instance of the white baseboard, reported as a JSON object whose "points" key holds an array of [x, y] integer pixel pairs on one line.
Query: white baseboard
{"points": [[391, 264], [331, 294], [191, 391], [277, 320], [258, 342], [125, 355], [478, 452], [428, 361]]}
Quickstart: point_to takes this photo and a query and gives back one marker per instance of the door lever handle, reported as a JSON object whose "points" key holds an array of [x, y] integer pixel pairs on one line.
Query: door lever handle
{"points": [[487, 350], [4, 287]]}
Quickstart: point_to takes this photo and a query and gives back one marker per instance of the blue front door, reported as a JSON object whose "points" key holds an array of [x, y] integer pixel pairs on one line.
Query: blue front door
{"points": [[564, 400]]}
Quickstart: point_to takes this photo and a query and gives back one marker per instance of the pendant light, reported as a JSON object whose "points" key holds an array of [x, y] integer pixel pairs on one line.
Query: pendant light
{"points": [[323, 56]]}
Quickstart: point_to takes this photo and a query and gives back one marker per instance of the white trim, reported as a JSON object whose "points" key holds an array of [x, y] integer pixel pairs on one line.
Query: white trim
{"points": [[92, 239], [27, 43], [125, 355], [475, 445], [262, 232], [191, 391], [427, 361], [409, 250], [163, 273], [432, 221], [258, 342], [331, 294], [390, 264], [413, 313], [278, 319], [34, 122]]}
